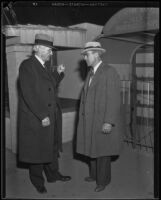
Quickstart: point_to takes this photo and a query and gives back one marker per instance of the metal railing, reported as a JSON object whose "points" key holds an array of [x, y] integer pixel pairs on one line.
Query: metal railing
{"points": [[138, 109]]}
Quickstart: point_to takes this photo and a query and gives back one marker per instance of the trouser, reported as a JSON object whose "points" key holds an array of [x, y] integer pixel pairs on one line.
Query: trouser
{"points": [[50, 169], [100, 170], [36, 172]]}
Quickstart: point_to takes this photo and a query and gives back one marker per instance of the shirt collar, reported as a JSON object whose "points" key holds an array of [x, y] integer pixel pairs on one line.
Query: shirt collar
{"points": [[96, 67], [40, 60]]}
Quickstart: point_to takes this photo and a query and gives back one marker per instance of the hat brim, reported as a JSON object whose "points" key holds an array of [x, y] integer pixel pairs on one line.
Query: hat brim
{"points": [[54, 48], [93, 49], [45, 43]]}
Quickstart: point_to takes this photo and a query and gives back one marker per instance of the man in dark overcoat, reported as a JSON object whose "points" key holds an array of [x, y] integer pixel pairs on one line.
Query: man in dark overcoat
{"points": [[99, 132], [40, 117]]}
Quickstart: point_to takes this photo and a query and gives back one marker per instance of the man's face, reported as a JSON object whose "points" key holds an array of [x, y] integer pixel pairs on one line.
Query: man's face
{"points": [[45, 53], [90, 58]]}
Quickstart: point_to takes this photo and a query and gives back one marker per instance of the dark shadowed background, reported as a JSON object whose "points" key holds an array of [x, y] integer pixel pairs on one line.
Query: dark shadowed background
{"points": [[59, 13]]}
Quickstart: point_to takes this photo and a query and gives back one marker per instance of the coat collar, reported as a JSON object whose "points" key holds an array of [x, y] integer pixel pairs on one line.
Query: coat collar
{"points": [[97, 66], [40, 60], [95, 78], [37, 63], [42, 70]]}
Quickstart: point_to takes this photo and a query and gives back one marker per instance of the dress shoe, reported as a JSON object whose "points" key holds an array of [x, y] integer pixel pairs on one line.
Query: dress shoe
{"points": [[89, 179], [99, 188], [59, 177], [41, 189]]}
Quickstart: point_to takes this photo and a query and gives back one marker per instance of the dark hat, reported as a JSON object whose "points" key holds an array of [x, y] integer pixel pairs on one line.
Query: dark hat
{"points": [[89, 46], [44, 39]]}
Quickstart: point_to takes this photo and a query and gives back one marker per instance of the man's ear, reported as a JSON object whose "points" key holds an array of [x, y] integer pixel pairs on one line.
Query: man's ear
{"points": [[97, 54], [36, 47]]}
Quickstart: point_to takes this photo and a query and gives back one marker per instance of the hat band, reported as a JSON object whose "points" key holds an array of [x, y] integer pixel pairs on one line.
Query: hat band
{"points": [[92, 47], [44, 42]]}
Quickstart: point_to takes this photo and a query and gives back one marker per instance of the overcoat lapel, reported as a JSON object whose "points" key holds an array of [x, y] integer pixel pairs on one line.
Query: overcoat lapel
{"points": [[96, 76], [86, 83], [49, 72], [45, 72], [94, 80]]}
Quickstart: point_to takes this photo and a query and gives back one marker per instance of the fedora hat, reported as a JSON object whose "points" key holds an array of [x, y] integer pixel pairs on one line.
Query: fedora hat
{"points": [[44, 39], [89, 46]]}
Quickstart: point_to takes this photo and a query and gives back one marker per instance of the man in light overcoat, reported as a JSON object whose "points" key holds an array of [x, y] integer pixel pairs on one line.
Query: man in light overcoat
{"points": [[99, 132]]}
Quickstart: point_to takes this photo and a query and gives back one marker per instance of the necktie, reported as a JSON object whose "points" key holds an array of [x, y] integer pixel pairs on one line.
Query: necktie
{"points": [[91, 76]]}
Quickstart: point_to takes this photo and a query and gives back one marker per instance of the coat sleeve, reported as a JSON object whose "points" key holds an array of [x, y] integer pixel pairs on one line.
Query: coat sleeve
{"points": [[113, 98], [58, 77], [30, 94]]}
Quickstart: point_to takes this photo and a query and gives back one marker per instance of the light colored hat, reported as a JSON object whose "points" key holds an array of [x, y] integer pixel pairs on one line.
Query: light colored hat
{"points": [[44, 39], [89, 46]]}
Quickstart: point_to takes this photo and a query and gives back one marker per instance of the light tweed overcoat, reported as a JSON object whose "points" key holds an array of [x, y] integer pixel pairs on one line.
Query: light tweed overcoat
{"points": [[100, 104]]}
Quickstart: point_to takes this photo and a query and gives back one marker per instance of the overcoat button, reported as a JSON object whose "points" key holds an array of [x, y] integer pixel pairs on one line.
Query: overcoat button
{"points": [[49, 105], [49, 89]]}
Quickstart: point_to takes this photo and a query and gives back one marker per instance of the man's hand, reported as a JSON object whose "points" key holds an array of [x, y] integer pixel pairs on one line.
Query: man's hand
{"points": [[46, 122], [60, 68], [106, 128]]}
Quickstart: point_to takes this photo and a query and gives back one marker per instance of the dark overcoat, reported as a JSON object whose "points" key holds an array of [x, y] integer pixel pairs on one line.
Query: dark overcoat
{"points": [[37, 100], [100, 103]]}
